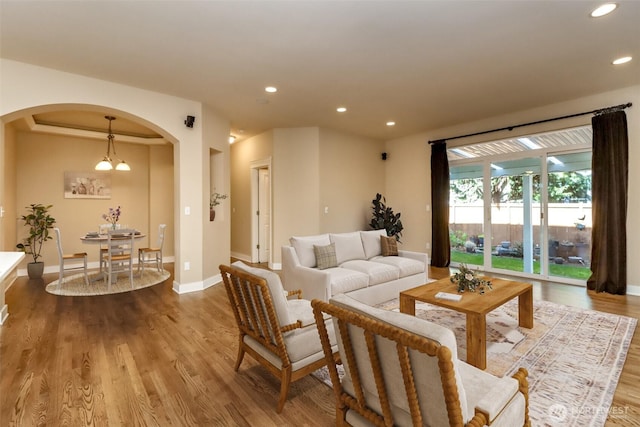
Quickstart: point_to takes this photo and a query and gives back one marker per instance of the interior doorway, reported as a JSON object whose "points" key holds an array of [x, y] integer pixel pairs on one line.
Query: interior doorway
{"points": [[261, 212]]}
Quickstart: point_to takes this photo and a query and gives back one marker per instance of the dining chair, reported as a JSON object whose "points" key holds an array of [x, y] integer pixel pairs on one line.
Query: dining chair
{"points": [[63, 258], [152, 255], [119, 256]]}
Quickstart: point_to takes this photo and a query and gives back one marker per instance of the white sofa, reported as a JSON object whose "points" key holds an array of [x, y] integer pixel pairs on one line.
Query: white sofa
{"points": [[361, 272]]}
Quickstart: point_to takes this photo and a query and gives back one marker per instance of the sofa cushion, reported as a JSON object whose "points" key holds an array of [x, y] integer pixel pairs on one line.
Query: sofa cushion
{"points": [[348, 246], [407, 266], [304, 247], [345, 280], [275, 288], [371, 242], [389, 246], [325, 256], [377, 272]]}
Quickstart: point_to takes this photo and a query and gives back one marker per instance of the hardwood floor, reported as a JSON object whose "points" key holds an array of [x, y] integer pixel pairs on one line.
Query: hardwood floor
{"points": [[153, 357]]}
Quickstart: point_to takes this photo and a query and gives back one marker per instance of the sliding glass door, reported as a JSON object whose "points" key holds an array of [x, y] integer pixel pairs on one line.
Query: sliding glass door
{"points": [[466, 214], [569, 213], [523, 206], [515, 215]]}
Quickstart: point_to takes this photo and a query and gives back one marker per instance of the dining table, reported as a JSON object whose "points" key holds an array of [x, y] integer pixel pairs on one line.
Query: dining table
{"points": [[94, 238]]}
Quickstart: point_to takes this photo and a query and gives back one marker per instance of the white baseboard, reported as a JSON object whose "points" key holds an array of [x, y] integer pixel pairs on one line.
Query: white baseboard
{"points": [[241, 257], [185, 288], [4, 313], [633, 290]]}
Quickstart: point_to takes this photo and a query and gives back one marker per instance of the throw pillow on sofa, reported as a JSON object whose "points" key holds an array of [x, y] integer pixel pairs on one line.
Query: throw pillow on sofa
{"points": [[325, 256], [389, 246]]}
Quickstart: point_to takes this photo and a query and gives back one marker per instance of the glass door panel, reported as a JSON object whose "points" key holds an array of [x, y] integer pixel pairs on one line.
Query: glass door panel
{"points": [[569, 212], [515, 215], [466, 214]]}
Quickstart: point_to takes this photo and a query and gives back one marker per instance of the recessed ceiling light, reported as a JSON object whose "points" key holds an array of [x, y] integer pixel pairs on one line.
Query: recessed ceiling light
{"points": [[622, 60], [391, 123], [341, 109], [232, 139], [271, 89], [605, 9]]}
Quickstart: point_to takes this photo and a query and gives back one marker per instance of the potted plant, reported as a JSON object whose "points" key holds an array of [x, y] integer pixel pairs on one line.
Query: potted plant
{"points": [[214, 200], [383, 217], [39, 222]]}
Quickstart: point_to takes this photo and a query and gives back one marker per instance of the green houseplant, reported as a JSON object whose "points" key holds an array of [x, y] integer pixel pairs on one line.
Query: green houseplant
{"points": [[214, 200], [39, 222], [383, 217]]}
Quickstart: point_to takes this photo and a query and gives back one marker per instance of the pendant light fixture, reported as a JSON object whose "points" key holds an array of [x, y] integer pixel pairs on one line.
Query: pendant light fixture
{"points": [[106, 163]]}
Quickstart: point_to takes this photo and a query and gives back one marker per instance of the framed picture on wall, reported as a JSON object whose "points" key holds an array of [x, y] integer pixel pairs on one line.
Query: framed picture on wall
{"points": [[87, 185]]}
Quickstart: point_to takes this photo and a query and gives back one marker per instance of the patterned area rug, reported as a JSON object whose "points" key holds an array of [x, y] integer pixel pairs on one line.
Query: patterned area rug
{"points": [[574, 357], [74, 285]]}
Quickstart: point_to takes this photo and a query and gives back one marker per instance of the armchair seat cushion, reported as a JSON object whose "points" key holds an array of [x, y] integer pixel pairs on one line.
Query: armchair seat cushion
{"points": [[300, 310], [378, 272], [498, 397]]}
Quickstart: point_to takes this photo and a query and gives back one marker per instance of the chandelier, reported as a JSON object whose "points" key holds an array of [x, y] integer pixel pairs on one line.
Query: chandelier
{"points": [[106, 163]]}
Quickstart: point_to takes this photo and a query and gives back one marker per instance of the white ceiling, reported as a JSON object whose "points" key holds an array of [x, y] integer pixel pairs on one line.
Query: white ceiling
{"points": [[423, 64]]}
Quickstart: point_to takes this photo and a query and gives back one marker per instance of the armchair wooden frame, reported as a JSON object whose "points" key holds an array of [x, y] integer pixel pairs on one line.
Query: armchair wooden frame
{"points": [[404, 342], [256, 317]]}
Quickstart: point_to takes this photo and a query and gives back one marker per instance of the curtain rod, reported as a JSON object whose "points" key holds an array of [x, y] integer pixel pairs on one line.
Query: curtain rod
{"points": [[510, 128]]}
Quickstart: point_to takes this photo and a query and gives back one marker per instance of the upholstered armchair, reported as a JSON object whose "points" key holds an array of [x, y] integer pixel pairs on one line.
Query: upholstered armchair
{"points": [[403, 371], [279, 333]]}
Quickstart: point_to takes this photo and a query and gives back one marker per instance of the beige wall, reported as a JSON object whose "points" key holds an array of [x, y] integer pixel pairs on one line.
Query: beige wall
{"points": [[216, 234], [351, 173], [311, 168], [41, 161], [408, 168], [296, 185], [8, 189], [161, 196], [243, 154]]}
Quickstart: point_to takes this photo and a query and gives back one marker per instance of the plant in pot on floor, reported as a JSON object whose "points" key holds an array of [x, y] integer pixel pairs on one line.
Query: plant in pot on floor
{"points": [[39, 222], [383, 217]]}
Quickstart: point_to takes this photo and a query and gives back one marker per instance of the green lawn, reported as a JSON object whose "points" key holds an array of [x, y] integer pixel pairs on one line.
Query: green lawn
{"points": [[515, 264]]}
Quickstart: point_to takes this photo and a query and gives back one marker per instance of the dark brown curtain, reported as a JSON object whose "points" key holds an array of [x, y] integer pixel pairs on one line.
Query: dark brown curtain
{"points": [[610, 169], [441, 251]]}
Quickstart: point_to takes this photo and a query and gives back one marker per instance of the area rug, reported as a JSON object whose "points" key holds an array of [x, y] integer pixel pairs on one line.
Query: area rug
{"points": [[574, 357], [74, 285]]}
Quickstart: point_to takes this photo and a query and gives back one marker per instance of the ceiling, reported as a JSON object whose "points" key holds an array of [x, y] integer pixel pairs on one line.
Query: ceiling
{"points": [[423, 64]]}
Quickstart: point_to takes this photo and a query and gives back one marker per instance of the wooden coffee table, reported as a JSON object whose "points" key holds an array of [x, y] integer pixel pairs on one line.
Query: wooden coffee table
{"points": [[475, 306]]}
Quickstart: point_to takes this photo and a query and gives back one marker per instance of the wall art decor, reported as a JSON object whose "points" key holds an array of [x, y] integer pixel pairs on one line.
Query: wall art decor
{"points": [[87, 185]]}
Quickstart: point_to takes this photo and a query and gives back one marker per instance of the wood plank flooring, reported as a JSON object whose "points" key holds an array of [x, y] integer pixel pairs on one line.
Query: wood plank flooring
{"points": [[155, 358]]}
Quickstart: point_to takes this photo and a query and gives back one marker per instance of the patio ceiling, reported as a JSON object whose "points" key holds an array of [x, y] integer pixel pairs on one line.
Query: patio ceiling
{"points": [[562, 139]]}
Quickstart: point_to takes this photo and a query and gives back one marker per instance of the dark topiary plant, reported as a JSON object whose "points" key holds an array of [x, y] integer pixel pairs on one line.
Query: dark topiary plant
{"points": [[384, 218]]}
